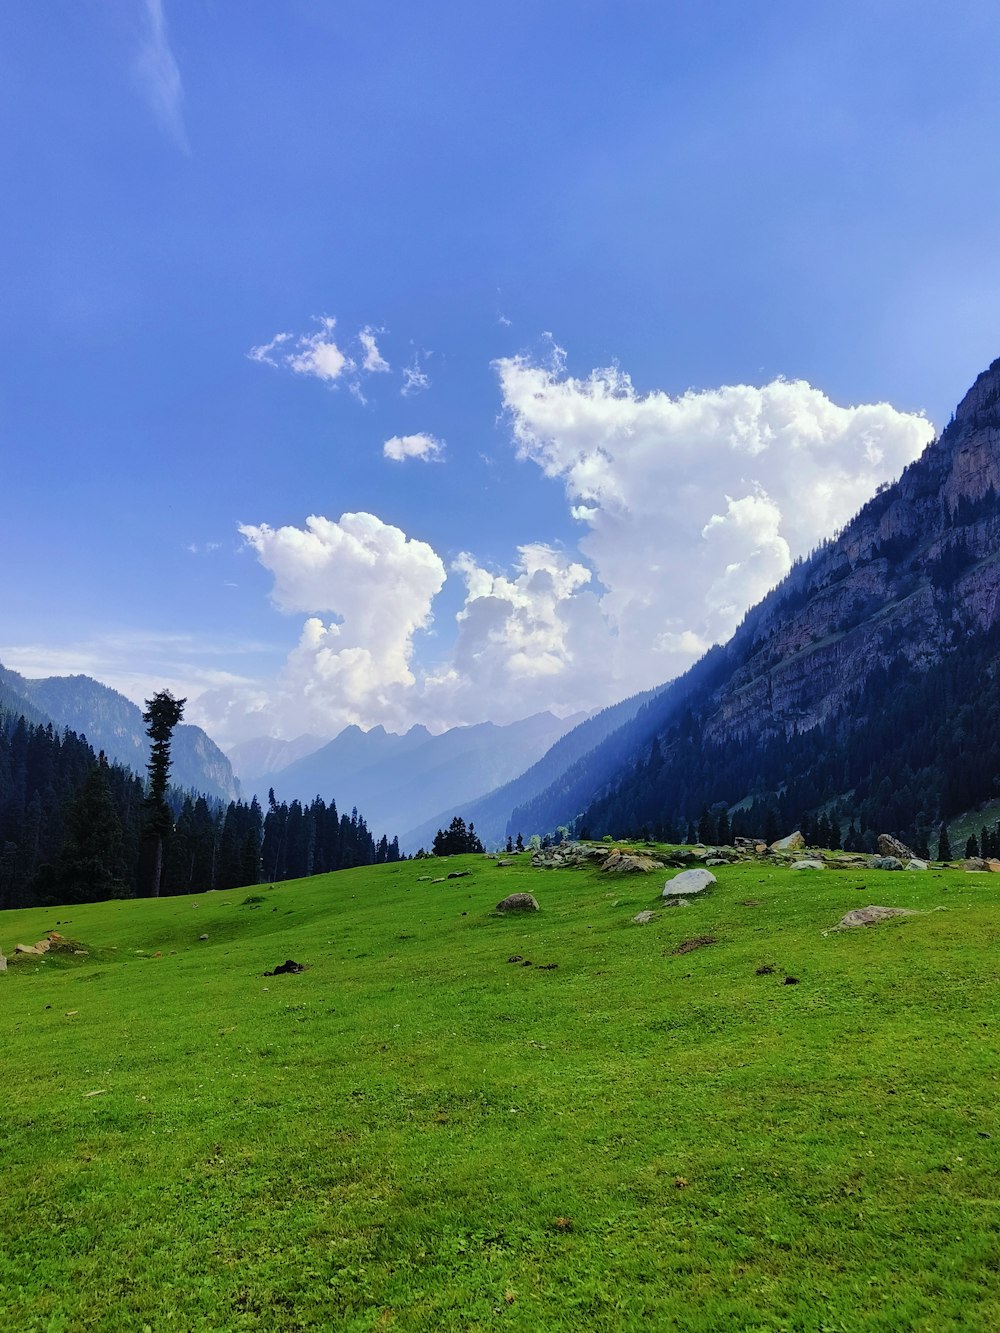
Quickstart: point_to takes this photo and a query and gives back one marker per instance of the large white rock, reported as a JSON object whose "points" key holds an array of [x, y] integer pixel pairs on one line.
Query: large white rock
{"points": [[688, 882]]}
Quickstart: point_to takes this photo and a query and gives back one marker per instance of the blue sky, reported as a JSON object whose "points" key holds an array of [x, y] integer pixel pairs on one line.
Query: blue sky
{"points": [[507, 201]]}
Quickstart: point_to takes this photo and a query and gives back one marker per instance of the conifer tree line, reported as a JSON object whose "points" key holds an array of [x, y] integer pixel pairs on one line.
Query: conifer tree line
{"points": [[72, 828]]}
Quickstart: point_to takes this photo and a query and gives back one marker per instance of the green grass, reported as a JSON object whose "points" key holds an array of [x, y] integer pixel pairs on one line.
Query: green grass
{"points": [[417, 1134]]}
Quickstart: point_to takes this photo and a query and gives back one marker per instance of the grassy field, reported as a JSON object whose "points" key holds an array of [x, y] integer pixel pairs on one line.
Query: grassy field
{"points": [[417, 1133]]}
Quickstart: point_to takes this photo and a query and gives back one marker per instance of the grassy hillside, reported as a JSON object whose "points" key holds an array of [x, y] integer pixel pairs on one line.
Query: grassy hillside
{"points": [[417, 1133]]}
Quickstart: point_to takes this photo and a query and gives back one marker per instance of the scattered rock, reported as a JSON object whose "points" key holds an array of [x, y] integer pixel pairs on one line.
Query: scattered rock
{"points": [[518, 902], [676, 902], [915, 863], [688, 881], [808, 865], [548, 967], [203, 937], [458, 874], [699, 942], [289, 965], [42, 946], [630, 863], [642, 918], [3, 963], [790, 981], [516, 958], [869, 916], [526, 963], [505, 863], [440, 880], [764, 970], [716, 861], [884, 863], [25, 948], [792, 843]]}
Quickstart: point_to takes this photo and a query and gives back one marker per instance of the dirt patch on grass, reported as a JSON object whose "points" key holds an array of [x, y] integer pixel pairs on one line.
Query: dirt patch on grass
{"points": [[699, 942]]}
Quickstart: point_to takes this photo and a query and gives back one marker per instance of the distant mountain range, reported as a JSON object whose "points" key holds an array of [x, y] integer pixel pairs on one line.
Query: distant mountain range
{"points": [[867, 681], [114, 724], [267, 755], [409, 780]]}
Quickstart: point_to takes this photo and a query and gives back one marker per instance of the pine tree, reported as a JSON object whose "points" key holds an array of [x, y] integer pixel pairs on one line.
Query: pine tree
{"points": [[972, 846], [163, 712], [944, 846]]}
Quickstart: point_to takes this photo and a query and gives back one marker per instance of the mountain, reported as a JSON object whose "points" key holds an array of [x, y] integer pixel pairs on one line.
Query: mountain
{"points": [[868, 680], [401, 780], [114, 724], [266, 754], [491, 813]]}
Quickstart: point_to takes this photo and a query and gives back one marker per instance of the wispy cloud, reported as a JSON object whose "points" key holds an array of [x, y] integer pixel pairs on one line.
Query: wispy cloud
{"points": [[415, 378], [373, 361], [159, 76]]}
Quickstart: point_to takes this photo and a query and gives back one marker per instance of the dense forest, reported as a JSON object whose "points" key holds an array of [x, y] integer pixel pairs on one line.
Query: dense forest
{"points": [[71, 828]]}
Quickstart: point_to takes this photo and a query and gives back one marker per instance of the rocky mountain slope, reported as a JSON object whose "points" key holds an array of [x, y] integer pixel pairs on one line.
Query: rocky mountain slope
{"points": [[896, 618], [114, 724]]}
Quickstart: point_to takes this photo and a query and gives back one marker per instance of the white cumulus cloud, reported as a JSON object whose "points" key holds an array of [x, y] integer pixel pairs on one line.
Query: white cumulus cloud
{"points": [[379, 585], [694, 506], [422, 446]]}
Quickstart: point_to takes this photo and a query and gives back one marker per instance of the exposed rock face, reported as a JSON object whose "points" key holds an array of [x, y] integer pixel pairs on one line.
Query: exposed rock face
{"points": [[870, 916], [799, 669], [688, 882], [518, 902], [890, 846]]}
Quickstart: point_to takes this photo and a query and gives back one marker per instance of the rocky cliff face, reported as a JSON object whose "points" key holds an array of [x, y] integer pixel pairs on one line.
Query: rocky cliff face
{"points": [[918, 568]]}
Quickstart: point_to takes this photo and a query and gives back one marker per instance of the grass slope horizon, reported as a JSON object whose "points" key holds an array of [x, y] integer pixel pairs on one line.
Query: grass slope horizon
{"points": [[420, 1133]]}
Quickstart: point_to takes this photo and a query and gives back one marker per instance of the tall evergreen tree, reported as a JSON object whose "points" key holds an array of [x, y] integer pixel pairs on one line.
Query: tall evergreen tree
{"points": [[163, 712]]}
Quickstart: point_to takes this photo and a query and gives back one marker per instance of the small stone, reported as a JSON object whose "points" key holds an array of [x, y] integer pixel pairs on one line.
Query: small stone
{"points": [[203, 937], [458, 874], [915, 863], [688, 881], [642, 918], [3, 963]]}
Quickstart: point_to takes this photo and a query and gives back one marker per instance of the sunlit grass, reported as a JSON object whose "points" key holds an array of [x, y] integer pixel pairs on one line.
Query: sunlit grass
{"points": [[416, 1133]]}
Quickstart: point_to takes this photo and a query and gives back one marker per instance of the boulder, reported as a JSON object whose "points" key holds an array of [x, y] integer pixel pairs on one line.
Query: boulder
{"points": [[793, 843], [642, 918], [890, 846], [518, 902], [915, 863], [42, 946], [870, 916], [884, 863], [992, 864], [25, 948], [808, 865], [688, 882]]}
